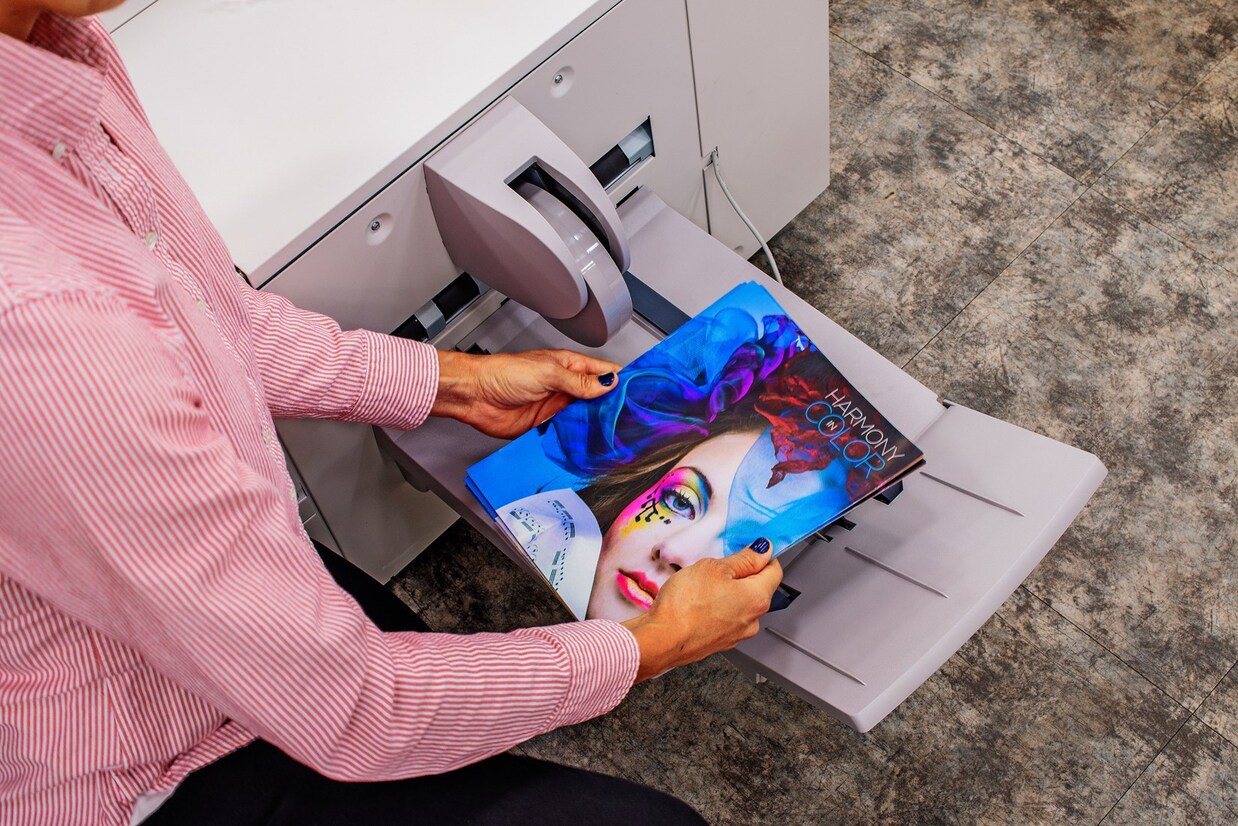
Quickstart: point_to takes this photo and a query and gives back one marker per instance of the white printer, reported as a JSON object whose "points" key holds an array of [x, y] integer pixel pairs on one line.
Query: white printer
{"points": [[496, 176]]}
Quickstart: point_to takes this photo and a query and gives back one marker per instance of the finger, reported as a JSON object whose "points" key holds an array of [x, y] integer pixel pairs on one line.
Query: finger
{"points": [[767, 579], [579, 385], [748, 562], [552, 406], [580, 363]]}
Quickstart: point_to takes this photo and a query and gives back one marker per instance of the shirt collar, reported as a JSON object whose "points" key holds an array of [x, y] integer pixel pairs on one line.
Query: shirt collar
{"points": [[53, 83]]}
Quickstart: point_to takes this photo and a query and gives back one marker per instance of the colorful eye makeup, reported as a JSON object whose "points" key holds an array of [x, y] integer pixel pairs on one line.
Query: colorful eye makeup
{"points": [[684, 492]]}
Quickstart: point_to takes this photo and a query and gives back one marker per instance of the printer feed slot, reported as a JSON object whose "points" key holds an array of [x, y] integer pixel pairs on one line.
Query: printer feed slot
{"points": [[784, 595], [430, 319], [650, 305], [631, 150], [537, 176], [889, 494]]}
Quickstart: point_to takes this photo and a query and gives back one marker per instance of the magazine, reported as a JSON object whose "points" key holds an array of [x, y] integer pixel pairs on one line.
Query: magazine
{"points": [[734, 427]]}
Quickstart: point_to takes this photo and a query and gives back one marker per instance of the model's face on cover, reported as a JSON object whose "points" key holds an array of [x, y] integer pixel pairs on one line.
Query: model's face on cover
{"points": [[671, 525]]}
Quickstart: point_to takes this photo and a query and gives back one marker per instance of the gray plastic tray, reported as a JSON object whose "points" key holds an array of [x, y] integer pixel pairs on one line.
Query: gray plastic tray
{"points": [[885, 604]]}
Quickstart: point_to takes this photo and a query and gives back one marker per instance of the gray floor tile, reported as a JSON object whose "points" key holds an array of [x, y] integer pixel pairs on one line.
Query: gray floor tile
{"points": [[1193, 781], [1220, 710], [1110, 335], [925, 207], [1076, 82], [1183, 175], [463, 584]]}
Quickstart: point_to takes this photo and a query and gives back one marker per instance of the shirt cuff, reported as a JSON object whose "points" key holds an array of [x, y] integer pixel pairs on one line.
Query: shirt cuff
{"points": [[401, 382], [602, 657]]}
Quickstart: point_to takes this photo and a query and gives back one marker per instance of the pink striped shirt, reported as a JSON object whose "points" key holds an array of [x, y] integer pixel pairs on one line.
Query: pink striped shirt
{"points": [[160, 604]]}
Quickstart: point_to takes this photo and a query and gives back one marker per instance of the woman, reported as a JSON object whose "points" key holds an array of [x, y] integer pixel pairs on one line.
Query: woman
{"points": [[178, 643]]}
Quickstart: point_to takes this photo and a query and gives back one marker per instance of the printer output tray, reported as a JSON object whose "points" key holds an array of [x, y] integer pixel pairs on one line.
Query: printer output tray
{"points": [[885, 603]]}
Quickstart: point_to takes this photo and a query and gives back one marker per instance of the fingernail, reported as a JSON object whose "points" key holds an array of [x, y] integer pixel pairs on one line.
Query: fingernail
{"points": [[760, 546], [606, 379]]}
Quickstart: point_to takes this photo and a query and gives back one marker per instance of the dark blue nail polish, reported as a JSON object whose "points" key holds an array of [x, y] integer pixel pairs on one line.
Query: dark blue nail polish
{"points": [[606, 379], [761, 545]]}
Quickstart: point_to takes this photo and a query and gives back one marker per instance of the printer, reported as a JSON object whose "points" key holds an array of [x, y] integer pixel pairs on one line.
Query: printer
{"points": [[493, 177]]}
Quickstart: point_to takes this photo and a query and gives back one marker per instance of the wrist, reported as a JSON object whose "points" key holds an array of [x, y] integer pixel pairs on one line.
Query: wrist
{"points": [[455, 377], [659, 645]]}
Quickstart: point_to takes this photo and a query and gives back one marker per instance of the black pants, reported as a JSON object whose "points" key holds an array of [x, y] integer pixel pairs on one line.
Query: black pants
{"points": [[259, 784]]}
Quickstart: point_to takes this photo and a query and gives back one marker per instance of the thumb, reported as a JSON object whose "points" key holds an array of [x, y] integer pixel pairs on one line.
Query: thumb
{"points": [[750, 560], [581, 385]]}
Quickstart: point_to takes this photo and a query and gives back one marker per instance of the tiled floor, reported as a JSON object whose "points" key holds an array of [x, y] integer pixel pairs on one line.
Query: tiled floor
{"points": [[1034, 208]]}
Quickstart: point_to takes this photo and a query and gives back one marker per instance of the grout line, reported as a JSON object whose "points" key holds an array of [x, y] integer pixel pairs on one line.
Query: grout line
{"points": [[960, 109], [1139, 777], [1125, 207], [1002, 272], [1148, 131], [1186, 718], [1108, 650], [1089, 186], [1232, 670], [1019, 254]]}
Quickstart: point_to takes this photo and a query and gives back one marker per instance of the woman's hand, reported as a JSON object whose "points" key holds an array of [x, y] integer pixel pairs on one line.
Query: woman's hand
{"points": [[710, 606], [505, 394]]}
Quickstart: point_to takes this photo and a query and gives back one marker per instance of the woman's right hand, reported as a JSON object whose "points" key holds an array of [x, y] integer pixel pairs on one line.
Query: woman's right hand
{"points": [[707, 607]]}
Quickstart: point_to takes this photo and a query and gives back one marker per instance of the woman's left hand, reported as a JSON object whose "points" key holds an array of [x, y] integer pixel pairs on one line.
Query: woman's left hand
{"points": [[505, 394]]}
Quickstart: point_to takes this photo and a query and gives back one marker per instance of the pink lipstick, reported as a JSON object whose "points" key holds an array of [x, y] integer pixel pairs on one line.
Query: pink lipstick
{"points": [[637, 588]]}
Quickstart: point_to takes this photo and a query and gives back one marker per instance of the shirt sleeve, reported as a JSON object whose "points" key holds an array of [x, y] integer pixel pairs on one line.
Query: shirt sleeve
{"points": [[126, 508], [310, 368]]}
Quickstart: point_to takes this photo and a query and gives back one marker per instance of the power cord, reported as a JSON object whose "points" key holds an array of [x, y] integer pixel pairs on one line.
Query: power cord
{"points": [[769, 256]]}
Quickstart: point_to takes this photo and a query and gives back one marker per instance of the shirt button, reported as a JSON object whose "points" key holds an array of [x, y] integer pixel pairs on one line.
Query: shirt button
{"points": [[152, 238], [267, 435], [58, 150], [201, 305]]}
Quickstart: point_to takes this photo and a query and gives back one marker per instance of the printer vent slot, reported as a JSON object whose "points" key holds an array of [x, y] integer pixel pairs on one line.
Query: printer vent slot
{"points": [[432, 317], [814, 655], [892, 570], [623, 156]]}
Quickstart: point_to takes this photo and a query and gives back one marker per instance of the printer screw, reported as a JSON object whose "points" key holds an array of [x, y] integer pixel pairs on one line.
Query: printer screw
{"points": [[375, 225], [558, 79]]}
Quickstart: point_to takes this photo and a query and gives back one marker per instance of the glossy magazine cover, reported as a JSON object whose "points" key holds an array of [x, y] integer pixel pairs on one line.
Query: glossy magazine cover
{"points": [[734, 427]]}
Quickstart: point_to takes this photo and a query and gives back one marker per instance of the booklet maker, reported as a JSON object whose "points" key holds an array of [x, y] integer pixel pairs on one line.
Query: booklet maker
{"points": [[887, 595], [482, 177]]}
